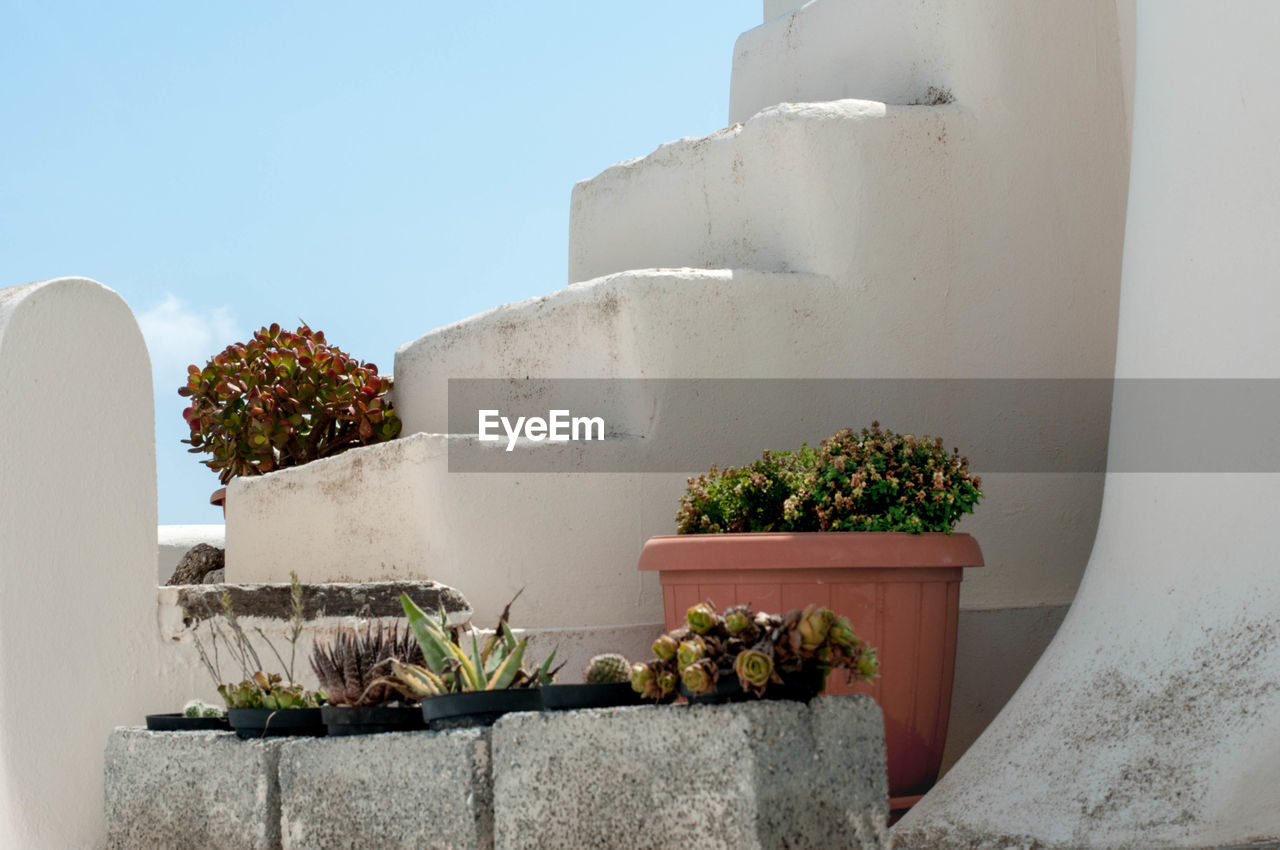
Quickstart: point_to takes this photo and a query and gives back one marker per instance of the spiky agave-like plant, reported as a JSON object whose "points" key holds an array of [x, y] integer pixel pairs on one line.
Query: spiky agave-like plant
{"points": [[351, 666], [449, 668]]}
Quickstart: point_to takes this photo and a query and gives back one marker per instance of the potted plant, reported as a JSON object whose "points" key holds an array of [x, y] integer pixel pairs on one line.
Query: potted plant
{"points": [[861, 525], [283, 399], [744, 655], [262, 704], [196, 716], [351, 669], [606, 683], [468, 687]]}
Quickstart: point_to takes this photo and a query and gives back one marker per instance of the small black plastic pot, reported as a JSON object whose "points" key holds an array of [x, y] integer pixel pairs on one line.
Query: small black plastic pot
{"points": [[801, 687], [478, 708], [182, 723], [371, 719], [562, 697], [252, 723]]}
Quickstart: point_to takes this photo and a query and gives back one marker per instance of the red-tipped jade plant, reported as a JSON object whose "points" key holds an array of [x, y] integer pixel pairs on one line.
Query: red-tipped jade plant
{"points": [[283, 399]]}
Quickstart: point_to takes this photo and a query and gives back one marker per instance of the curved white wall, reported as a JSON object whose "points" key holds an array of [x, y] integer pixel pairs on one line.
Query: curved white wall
{"points": [[1154, 717], [77, 553]]}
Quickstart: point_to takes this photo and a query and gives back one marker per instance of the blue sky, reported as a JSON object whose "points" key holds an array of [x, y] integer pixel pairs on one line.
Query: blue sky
{"points": [[378, 170]]}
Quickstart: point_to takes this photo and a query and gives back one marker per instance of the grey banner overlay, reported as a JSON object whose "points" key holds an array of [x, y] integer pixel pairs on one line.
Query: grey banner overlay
{"points": [[1002, 425]]}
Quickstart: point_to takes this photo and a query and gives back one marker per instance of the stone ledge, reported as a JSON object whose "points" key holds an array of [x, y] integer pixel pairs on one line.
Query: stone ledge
{"points": [[356, 599], [751, 775]]}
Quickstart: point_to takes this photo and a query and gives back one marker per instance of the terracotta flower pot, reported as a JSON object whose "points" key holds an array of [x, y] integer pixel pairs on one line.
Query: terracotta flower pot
{"points": [[900, 591], [219, 498]]}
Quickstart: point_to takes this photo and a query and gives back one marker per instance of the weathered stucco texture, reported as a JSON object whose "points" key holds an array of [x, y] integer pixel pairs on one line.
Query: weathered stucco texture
{"points": [[1153, 719]]}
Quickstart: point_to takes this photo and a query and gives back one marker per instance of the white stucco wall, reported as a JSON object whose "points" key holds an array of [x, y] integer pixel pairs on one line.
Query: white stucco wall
{"points": [[1154, 717], [976, 239], [843, 239], [77, 564], [570, 540]]}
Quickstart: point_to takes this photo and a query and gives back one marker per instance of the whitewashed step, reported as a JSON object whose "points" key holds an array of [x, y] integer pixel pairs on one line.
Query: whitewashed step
{"points": [[657, 323], [799, 187], [836, 49], [395, 511]]}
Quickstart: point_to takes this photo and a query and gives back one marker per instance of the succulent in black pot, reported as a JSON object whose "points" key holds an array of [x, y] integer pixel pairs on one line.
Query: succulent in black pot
{"points": [[606, 683], [352, 669], [468, 686]]}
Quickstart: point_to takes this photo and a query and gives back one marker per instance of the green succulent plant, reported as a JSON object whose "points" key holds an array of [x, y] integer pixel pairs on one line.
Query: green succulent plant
{"points": [[606, 669], [744, 499], [700, 676], [758, 648], [878, 480], [872, 480], [755, 670], [258, 689], [737, 621], [701, 618], [449, 668], [666, 647], [283, 399], [266, 690]]}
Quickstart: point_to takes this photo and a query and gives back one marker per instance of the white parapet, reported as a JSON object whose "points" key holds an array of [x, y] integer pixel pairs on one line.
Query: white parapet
{"points": [[77, 555], [1153, 720]]}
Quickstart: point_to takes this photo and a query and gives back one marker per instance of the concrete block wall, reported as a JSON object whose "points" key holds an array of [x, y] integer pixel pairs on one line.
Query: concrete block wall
{"points": [[411, 790], [751, 775], [187, 790]]}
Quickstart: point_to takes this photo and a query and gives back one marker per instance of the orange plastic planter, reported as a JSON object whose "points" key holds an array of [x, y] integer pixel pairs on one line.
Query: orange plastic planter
{"points": [[900, 591]]}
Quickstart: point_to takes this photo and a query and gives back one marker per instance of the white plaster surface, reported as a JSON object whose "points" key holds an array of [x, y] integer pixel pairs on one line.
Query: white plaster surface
{"points": [[1153, 719], [774, 8], [977, 239], [176, 540], [827, 50], [77, 564], [393, 510], [987, 200]]}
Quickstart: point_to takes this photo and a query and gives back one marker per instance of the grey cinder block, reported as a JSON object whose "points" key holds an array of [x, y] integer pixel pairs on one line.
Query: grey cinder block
{"points": [[421, 790], [191, 790], [751, 775]]}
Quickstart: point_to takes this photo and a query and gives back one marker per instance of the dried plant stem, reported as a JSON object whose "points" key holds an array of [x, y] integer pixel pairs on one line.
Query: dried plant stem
{"points": [[274, 652], [209, 664]]}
